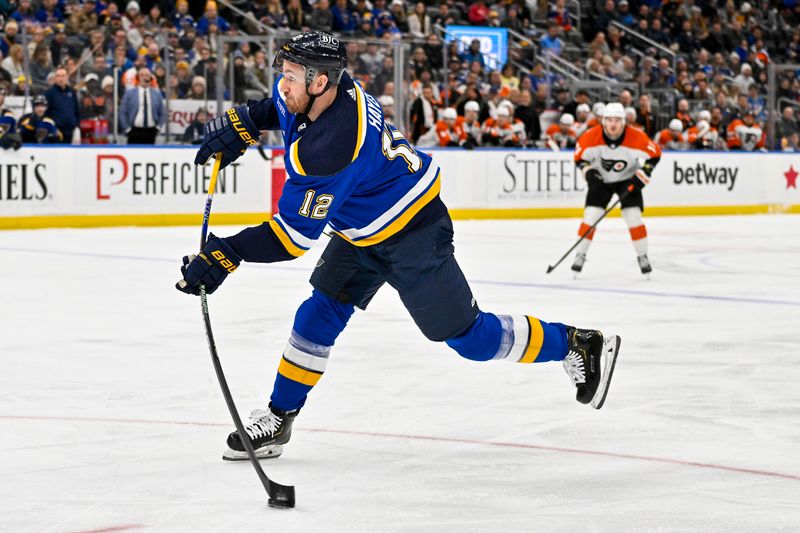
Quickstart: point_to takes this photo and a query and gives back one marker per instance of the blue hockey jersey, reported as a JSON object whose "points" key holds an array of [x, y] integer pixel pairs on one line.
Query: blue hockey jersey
{"points": [[348, 169]]}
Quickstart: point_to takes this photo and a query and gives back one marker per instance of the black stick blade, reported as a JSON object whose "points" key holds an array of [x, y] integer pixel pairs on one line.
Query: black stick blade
{"points": [[550, 269], [281, 496]]}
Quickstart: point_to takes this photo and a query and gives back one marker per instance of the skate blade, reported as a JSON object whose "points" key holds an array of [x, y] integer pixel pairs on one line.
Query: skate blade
{"points": [[609, 359], [266, 452]]}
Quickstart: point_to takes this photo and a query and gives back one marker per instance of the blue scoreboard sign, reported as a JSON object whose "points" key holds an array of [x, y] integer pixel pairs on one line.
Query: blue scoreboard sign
{"points": [[494, 42]]}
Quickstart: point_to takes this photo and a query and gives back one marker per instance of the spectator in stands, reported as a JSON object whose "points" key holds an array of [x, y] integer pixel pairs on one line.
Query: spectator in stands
{"points": [[181, 18], [478, 13], [321, 16], [38, 127], [473, 54], [62, 105], [295, 15], [49, 13], [24, 13], [527, 114], [10, 38], [683, 114], [787, 126], [745, 77], [210, 16], [195, 130], [644, 116], [581, 97], [423, 113], [419, 22], [387, 104], [14, 63], [551, 42], [83, 19], [397, 8], [344, 20], [41, 67], [630, 118], [198, 89], [757, 103], [142, 110], [91, 101], [5, 77]]}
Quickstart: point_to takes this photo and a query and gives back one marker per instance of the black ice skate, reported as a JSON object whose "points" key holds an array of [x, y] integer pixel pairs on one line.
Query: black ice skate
{"points": [[268, 431], [644, 264], [577, 265], [590, 363]]}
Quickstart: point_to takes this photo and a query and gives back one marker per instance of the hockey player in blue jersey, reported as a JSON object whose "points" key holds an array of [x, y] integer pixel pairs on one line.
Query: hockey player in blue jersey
{"points": [[348, 169]]}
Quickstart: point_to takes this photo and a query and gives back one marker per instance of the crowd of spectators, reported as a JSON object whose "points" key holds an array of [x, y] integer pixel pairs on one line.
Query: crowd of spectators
{"points": [[78, 51]]}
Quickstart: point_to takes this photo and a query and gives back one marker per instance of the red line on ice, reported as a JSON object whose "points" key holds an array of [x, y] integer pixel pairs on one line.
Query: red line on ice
{"points": [[651, 459], [111, 529]]}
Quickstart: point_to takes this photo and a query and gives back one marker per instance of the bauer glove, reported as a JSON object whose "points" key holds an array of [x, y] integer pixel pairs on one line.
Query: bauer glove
{"points": [[230, 133], [210, 267]]}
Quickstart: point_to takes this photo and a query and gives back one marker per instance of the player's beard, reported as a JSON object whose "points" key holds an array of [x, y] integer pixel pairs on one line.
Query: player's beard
{"points": [[296, 105]]}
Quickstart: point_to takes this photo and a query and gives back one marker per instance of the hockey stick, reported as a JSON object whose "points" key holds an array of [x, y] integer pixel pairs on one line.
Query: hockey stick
{"points": [[279, 495], [591, 228]]}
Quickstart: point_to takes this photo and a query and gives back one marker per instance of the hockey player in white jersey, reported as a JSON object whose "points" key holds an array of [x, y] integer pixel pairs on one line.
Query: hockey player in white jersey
{"points": [[615, 159]]}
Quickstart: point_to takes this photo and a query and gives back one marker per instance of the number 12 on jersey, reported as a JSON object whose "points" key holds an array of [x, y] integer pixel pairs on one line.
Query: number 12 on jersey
{"points": [[320, 209]]}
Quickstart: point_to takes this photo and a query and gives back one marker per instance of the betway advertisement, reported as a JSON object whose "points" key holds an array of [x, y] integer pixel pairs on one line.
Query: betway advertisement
{"points": [[117, 180]]}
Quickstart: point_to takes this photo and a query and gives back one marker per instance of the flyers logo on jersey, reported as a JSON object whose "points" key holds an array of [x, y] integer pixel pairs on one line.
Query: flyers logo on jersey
{"points": [[236, 122], [613, 165]]}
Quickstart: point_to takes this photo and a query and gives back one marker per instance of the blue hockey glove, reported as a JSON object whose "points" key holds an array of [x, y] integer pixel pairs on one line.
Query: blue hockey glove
{"points": [[230, 133], [209, 268], [592, 177]]}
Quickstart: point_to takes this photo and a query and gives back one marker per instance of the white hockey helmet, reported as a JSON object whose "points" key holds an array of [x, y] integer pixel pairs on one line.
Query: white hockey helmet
{"points": [[449, 114], [614, 109], [676, 125], [630, 111], [704, 115], [566, 120], [506, 103], [502, 111], [583, 108], [598, 108], [472, 105]]}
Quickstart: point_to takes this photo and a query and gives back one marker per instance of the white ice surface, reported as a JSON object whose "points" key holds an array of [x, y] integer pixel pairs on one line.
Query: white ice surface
{"points": [[112, 420]]}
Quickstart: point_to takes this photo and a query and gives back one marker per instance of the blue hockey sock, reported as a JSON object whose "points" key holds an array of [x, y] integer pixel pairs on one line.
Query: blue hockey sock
{"points": [[318, 322], [523, 339]]}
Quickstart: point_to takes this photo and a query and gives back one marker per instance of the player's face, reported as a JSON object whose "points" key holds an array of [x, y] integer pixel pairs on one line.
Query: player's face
{"points": [[293, 87], [613, 126]]}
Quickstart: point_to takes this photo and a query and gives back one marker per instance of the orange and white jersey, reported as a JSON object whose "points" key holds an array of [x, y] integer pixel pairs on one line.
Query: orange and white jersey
{"points": [[617, 162], [668, 139], [743, 137], [447, 134], [707, 136], [562, 139], [503, 134], [473, 129]]}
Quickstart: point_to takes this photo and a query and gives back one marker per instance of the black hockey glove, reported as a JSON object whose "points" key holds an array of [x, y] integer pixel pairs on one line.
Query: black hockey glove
{"points": [[230, 133], [209, 268], [592, 177], [635, 184]]}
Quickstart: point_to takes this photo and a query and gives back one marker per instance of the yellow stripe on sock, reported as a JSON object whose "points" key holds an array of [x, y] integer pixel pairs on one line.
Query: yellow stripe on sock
{"points": [[535, 342], [290, 371]]}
